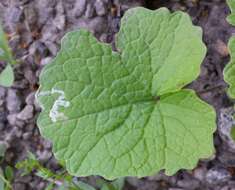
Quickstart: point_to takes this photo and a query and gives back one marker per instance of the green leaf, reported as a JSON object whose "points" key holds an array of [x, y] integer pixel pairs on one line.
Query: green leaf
{"points": [[231, 17], [44, 173], [5, 51], [29, 164], [50, 186], [233, 133], [2, 149], [124, 113], [229, 71], [7, 76], [9, 174], [2, 181]]}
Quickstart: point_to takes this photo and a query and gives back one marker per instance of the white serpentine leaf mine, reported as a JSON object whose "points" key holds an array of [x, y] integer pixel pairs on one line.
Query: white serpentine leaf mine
{"points": [[59, 102]]}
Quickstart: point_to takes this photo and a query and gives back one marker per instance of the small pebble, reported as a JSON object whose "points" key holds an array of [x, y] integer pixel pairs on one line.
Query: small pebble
{"points": [[217, 175], [221, 48], [199, 173], [12, 119], [79, 7], [19, 186], [27, 135], [52, 47], [100, 8], [13, 101], [46, 60], [26, 113], [89, 11], [189, 183], [44, 155], [14, 14]]}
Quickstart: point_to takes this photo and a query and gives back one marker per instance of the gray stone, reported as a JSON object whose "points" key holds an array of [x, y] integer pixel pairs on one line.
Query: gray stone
{"points": [[52, 47], [98, 25], [47, 144], [199, 173], [46, 60], [133, 181], [19, 186], [30, 127], [30, 76], [26, 113], [13, 101], [188, 183], [12, 119], [30, 98], [30, 14], [14, 14], [225, 124], [44, 155], [2, 95], [104, 38], [100, 8], [3, 118], [27, 135], [217, 175], [79, 7], [89, 11], [59, 20], [25, 179]]}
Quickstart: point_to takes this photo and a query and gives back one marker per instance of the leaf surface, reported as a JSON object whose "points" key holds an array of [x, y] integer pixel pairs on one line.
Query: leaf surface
{"points": [[124, 113], [229, 71], [7, 76], [231, 17]]}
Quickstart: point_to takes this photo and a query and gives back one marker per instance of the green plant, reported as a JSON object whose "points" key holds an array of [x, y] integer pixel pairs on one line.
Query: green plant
{"points": [[229, 71], [6, 175], [56, 179], [231, 17], [62, 180], [7, 75], [125, 113]]}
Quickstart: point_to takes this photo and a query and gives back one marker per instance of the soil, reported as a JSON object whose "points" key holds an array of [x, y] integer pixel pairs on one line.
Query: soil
{"points": [[35, 28]]}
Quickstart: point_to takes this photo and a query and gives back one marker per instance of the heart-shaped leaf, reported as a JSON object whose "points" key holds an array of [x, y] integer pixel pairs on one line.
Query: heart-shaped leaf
{"points": [[7, 76], [124, 113]]}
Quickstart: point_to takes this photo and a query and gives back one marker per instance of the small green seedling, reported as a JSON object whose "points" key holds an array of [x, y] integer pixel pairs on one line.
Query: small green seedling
{"points": [[62, 180], [125, 113], [6, 175], [7, 75]]}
